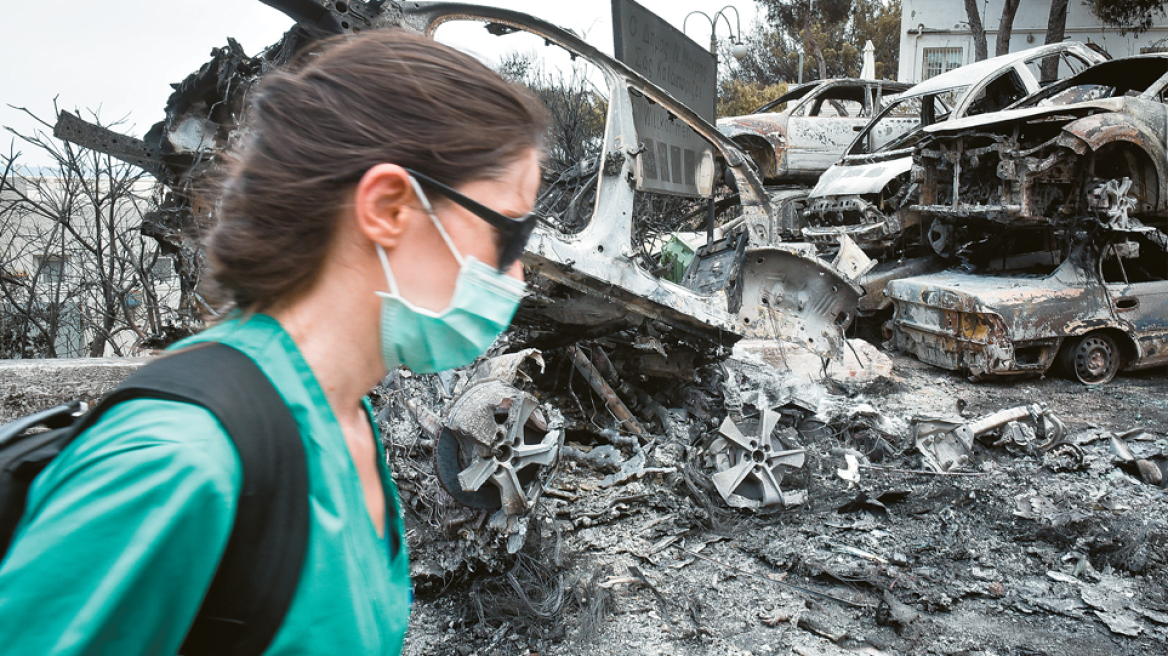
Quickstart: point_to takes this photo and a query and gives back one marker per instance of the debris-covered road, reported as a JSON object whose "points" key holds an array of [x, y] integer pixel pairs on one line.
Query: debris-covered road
{"points": [[1011, 557]]}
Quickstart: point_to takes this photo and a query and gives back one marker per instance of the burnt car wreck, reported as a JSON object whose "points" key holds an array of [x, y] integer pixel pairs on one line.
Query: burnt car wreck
{"points": [[677, 449], [1057, 206], [800, 134], [871, 194], [868, 194], [1091, 145], [1103, 308]]}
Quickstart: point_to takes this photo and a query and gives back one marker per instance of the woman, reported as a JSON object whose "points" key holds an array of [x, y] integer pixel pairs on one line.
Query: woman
{"points": [[373, 220]]}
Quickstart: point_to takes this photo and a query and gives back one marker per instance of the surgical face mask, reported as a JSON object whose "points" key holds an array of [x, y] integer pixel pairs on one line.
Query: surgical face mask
{"points": [[481, 308]]}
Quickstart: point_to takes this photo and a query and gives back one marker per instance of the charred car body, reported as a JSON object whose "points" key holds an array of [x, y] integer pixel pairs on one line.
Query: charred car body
{"points": [[800, 134], [1091, 145], [1019, 310], [869, 193], [600, 303], [1083, 156], [611, 211]]}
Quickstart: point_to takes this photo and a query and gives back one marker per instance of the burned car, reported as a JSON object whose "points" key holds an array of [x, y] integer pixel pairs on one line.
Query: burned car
{"points": [[630, 169], [1090, 303], [636, 167], [867, 194], [1091, 145], [798, 135]]}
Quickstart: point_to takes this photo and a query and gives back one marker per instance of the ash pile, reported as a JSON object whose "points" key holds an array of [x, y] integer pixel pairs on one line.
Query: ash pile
{"points": [[632, 492]]}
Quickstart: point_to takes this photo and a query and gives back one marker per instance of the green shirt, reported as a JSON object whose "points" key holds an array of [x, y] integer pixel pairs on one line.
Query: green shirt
{"points": [[123, 531]]}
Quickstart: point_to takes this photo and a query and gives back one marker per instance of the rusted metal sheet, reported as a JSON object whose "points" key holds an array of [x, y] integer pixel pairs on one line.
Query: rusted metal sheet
{"points": [[948, 445], [324, 18], [74, 129], [783, 295]]}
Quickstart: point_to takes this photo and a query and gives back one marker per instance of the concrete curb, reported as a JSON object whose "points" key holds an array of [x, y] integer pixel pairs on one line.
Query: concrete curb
{"points": [[30, 385]]}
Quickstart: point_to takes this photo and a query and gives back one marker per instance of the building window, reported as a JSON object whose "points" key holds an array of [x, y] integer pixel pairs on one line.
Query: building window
{"points": [[51, 268], [941, 60]]}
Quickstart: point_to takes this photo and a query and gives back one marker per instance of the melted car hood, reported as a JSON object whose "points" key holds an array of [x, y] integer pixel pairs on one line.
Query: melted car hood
{"points": [[852, 179], [1032, 308], [971, 292], [1072, 112]]}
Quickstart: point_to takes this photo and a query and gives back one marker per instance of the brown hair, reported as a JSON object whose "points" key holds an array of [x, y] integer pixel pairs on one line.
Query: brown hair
{"points": [[357, 101]]}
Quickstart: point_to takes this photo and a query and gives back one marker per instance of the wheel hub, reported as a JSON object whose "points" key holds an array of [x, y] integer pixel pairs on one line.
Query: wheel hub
{"points": [[748, 470], [1095, 360], [1113, 199], [496, 434]]}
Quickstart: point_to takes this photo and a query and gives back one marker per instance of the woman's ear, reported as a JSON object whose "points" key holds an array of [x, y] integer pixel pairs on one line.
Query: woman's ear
{"points": [[383, 204]]}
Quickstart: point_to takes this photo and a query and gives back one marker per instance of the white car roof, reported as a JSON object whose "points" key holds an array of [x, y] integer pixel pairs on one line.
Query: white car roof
{"points": [[977, 71]]}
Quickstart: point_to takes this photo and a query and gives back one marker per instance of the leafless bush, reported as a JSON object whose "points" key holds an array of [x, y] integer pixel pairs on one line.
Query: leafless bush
{"points": [[76, 276], [578, 110]]}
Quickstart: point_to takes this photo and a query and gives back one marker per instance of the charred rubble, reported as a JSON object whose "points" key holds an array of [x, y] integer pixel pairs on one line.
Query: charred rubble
{"points": [[888, 517], [185, 151]]}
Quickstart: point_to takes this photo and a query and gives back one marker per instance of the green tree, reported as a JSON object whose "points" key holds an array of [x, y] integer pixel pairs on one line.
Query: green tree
{"points": [[816, 25], [1129, 15], [879, 22], [737, 97], [831, 34]]}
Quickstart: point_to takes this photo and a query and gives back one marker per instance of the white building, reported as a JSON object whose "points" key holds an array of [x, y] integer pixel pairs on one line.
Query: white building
{"points": [[48, 267], [935, 35]]}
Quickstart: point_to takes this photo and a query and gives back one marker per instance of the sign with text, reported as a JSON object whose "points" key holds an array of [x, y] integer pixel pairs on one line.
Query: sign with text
{"points": [[673, 159], [665, 56]]}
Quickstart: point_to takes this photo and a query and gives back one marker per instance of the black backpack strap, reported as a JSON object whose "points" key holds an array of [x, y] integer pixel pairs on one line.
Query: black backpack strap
{"points": [[260, 569], [23, 456]]}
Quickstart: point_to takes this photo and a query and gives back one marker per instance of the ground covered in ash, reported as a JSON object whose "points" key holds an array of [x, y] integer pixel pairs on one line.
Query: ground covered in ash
{"points": [[1026, 552]]}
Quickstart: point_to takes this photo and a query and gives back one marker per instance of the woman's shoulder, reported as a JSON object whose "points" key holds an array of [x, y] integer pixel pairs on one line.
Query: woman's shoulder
{"points": [[152, 436]]}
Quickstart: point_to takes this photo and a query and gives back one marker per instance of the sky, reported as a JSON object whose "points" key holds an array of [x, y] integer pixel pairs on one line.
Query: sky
{"points": [[119, 57]]}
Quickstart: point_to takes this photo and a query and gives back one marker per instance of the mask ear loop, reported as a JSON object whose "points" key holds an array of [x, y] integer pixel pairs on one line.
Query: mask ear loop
{"points": [[388, 272], [438, 224]]}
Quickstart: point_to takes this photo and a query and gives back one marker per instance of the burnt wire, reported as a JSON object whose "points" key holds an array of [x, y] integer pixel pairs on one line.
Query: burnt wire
{"points": [[594, 603], [531, 594]]}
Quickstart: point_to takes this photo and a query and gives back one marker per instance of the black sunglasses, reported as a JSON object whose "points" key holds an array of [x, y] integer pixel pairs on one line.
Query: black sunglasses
{"points": [[515, 231]]}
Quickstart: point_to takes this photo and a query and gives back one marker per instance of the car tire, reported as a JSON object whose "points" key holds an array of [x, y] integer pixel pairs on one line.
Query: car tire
{"points": [[1092, 359]]}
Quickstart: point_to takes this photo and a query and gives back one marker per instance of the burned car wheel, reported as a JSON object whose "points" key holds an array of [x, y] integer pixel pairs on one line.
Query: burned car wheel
{"points": [[1092, 360]]}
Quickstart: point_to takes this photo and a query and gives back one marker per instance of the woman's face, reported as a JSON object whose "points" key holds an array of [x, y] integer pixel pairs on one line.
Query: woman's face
{"points": [[430, 270]]}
